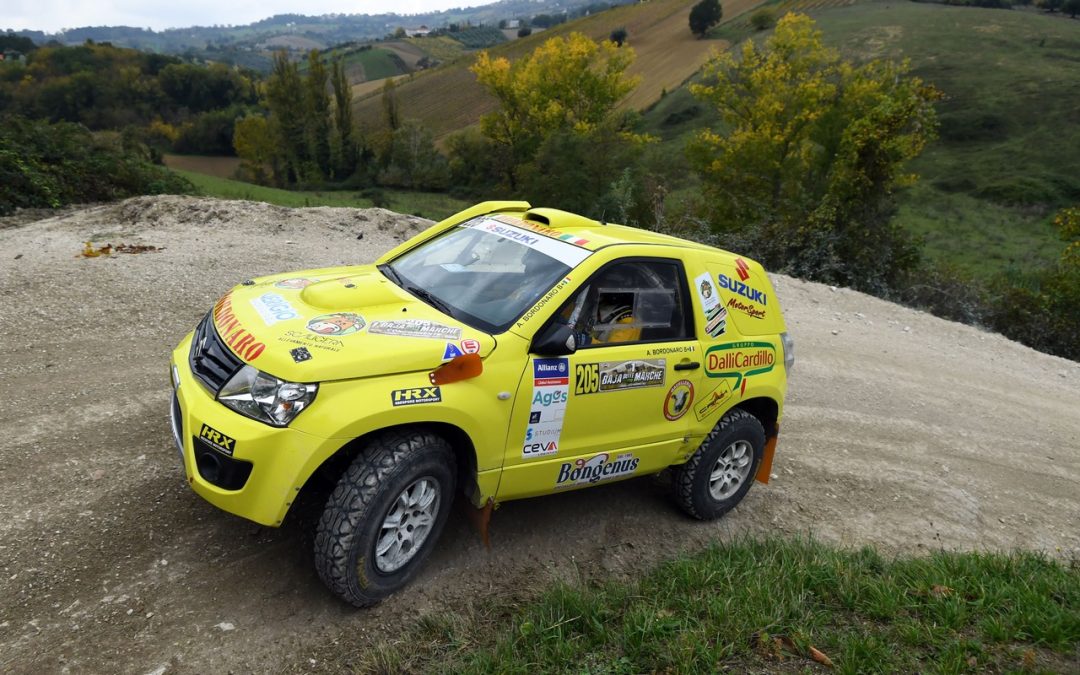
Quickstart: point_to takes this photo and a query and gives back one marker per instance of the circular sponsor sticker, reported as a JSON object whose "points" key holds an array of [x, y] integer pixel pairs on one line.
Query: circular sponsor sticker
{"points": [[294, 284], [678, 400], [341, 323]]}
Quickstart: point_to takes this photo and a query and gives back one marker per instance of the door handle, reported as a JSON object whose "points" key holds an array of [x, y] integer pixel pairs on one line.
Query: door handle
{"points": [[687, 365]]}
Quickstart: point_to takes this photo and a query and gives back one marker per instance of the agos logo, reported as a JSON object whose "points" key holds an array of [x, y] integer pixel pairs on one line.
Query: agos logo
{"points": [[546, 398]]}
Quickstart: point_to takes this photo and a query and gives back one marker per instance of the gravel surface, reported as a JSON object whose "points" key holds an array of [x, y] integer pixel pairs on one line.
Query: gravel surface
{"points": [[901, 430]]}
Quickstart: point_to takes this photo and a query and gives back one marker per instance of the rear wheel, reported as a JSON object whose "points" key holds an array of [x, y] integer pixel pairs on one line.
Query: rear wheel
{"points": [[385, 515], [717, 477]]}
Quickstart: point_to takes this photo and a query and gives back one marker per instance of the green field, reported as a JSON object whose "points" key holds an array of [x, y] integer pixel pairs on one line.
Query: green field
{"points": [[1009, 152], [377, 63], [762, 607], [435, 206]]}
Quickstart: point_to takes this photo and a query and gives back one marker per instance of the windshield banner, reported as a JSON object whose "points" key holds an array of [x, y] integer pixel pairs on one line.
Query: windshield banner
{"points": [[565, 252]]}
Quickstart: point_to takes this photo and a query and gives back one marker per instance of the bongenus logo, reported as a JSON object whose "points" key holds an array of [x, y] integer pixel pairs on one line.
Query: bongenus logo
{"points": [[595, 469]]}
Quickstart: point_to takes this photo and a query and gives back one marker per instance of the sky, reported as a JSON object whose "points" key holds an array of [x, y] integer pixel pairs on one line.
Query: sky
{"points": [[54, 15]]}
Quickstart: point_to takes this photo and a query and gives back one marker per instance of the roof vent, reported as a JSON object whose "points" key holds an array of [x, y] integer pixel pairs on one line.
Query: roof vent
{"points": [[538, 218]]}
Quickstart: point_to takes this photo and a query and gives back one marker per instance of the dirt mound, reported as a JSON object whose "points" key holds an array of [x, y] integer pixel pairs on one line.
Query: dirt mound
{"points": [[901, 430]]}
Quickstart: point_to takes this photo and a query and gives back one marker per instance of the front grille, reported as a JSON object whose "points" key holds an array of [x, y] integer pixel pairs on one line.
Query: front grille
{"points": [[211, 361]]}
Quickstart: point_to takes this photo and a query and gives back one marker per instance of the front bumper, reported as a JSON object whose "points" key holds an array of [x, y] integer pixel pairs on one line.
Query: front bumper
{"points": [[267, 466]]}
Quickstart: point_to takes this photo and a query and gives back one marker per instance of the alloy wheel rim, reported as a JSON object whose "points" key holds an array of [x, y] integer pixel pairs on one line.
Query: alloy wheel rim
{"points": [[407, 525], [731, 471]]}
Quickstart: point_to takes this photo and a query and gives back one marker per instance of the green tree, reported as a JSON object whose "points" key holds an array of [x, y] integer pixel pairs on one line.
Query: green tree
{"points": [[812, 150], [1071, 7], [704, 16], [256, 146], [618, 36], [317, 116], [567, 84], [345, 146], [412, 161], [285, 100], [763, 19], [391, 109]]}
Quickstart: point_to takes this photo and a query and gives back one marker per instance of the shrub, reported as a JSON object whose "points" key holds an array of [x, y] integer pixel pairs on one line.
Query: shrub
{"points": [[50, 165], [763, 19]]}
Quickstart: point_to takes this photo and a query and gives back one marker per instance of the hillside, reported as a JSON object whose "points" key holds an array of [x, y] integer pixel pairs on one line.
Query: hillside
{"points": [[448, 98], [900, 430], [1007, 156]]}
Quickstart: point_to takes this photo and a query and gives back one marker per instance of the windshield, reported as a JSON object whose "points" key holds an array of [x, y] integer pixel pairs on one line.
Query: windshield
{"points": [[487, 271]]}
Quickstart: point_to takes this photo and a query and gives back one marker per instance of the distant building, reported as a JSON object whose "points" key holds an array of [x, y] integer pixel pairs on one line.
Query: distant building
{"points": [[513, 23], [11, 55], [422, 31]]}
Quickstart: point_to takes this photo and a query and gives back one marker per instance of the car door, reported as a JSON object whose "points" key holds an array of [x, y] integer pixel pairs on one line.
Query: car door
{"points": [[617, 406]]}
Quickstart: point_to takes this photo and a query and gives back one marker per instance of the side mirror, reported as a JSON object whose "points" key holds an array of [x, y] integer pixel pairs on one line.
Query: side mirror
{"points": [[555, 339]]}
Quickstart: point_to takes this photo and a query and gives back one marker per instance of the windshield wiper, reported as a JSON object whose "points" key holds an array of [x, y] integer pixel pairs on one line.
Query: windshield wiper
{"points": [[390, 274], [430, 299]]}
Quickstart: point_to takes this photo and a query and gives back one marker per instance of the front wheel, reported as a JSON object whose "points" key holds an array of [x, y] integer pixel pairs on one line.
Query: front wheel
{"points": [[716, 477], [385, 515]]}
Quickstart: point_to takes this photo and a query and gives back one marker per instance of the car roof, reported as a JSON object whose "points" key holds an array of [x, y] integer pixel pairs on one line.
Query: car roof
{"points": [[594, 235]]}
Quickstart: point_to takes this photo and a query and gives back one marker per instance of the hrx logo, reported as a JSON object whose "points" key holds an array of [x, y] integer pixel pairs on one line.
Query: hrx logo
{"points": [[416, 395], [217, 439]]}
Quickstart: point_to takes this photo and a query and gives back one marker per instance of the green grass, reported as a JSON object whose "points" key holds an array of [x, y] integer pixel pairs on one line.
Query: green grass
{"points": [[378, 63], [433, 205], [760, 606], [1007, 157]]}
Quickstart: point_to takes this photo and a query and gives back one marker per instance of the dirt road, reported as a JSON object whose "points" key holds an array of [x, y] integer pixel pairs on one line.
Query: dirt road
{"points": [[901, 430]]}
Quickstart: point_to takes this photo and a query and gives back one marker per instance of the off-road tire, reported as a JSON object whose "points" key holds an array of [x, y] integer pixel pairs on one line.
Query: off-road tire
{"points": [[352, 520], [690, 481]]}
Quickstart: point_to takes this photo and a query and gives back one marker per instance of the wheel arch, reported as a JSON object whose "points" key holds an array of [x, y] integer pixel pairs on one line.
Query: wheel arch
{"points": [[323, 479], [764, 409]]}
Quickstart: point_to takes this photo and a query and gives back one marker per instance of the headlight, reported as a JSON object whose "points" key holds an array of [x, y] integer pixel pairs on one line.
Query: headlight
{"points": [[789, 351], [255, 394]]}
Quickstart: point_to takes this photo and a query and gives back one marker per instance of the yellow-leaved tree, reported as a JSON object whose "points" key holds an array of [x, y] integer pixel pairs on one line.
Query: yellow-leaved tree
{"points": [[810, 150], [567, 89]]}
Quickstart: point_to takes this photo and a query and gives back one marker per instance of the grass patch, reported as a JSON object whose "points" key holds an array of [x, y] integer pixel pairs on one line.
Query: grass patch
{"points": [[433, 205], [762, 606], [377, 63]]}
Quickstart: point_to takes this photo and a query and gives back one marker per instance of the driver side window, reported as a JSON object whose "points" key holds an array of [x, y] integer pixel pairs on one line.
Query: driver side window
{"points": [[627, 302]]}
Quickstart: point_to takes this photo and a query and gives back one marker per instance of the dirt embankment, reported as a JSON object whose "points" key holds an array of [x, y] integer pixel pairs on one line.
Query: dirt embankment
{"points": [[901, 430]]}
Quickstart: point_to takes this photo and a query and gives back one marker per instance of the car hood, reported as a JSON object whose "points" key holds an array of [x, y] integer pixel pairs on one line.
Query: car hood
{"points": [[339, 323]]}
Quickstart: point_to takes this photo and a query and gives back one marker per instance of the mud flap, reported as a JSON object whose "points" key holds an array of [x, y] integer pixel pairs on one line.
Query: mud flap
{"points": [[480, 518], [767, 455]]}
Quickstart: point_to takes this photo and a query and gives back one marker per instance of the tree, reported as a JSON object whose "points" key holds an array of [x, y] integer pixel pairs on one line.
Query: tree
{"points": [[1068, 223], [412, 161], [1050, 5], [1071, 7], [391, 111], [762, 19], [618, 36], [704, 16], [524, 31], [253, 140], [345, 146], [317, 116], [285, 99], [567, 84], [813, 149]]}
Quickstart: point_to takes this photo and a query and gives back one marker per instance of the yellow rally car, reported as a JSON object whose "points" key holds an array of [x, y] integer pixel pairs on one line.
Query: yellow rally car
{"points": [[507, 351]]}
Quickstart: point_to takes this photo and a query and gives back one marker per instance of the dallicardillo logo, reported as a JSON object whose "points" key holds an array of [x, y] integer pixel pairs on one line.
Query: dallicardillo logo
{"points": [[739, 360]]}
